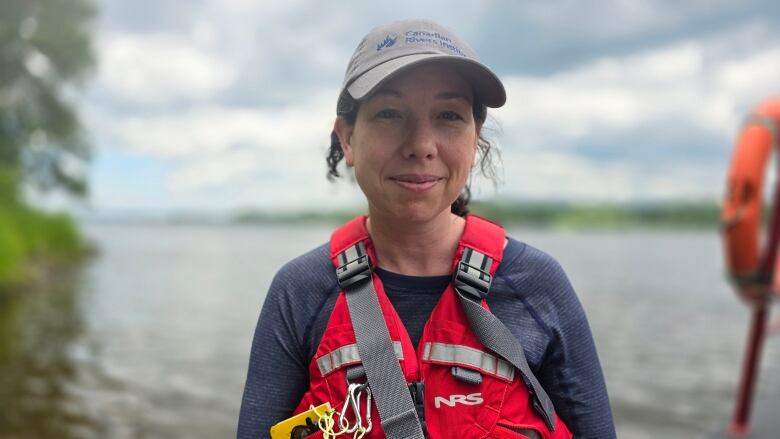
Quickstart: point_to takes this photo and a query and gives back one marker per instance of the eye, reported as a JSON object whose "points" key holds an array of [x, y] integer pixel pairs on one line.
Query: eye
{"points": [[388, 114], [450, 115]]}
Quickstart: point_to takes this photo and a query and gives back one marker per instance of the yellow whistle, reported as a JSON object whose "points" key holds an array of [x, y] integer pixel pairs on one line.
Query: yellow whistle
{"points": [[297, 426]]}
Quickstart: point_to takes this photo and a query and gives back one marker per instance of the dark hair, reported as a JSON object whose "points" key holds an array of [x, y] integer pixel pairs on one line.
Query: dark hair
{"points": [[348, 109]]}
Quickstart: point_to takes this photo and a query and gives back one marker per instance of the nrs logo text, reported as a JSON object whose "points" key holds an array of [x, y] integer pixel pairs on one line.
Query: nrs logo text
{"points": [[472, 399]]}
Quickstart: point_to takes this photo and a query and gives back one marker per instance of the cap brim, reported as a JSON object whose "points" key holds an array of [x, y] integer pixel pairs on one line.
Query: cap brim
{"points": [[486, 84]]}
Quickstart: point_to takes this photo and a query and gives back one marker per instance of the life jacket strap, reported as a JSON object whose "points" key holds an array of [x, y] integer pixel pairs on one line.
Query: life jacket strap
{"points": [[491, 332], [383, 372]]}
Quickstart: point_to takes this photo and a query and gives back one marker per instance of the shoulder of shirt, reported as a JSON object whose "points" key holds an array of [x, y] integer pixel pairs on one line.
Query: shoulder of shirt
{"points": [[312, 272], [519, 256], [531, 273], [538, 281]]}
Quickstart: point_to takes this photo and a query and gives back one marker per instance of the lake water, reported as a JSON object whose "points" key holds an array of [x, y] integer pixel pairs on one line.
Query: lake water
{"points": [[151, 338]]}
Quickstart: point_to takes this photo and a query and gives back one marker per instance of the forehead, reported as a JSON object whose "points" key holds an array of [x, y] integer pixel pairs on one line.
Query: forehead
{"points": [[435, 78]]}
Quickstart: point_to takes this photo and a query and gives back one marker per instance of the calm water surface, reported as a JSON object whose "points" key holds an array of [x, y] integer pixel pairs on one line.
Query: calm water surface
{"points": [[151, 339]]}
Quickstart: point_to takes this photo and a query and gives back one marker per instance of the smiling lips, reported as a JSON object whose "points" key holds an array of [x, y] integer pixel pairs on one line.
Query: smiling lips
{"points": [[416, 182]]}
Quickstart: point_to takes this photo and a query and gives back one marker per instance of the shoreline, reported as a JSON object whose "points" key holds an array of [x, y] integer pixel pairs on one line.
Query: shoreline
{"points": [[35, 243], [547, 215]]}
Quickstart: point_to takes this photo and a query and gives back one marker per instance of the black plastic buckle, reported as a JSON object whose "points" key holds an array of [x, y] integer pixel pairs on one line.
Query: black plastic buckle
{"points": [[354, 271], [477, 286], [417, 390]]}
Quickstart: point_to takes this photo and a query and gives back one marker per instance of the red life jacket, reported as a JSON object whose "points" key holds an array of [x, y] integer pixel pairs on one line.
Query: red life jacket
{"points": [[482, 398]]}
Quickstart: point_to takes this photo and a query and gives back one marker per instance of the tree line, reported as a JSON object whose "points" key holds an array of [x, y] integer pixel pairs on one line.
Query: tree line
{"points": [[46, 55]]}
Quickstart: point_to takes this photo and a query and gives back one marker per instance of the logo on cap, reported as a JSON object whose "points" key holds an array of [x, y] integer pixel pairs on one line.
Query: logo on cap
{"points": [[389, 41]]}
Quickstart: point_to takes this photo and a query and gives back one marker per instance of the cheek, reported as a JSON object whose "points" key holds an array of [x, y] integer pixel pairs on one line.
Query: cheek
{"points": [[460, 165], [468, 156], [474, 151]]}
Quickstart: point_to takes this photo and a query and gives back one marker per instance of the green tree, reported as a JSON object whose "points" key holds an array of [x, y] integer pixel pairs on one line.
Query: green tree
{"points": [[45, 55]]}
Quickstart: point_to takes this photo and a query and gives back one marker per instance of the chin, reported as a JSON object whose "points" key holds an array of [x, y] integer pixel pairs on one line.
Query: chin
{"points": [[420, 214]]}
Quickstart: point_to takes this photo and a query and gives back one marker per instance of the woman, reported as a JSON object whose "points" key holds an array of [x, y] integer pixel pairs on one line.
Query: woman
{"points": [[409, 123]]}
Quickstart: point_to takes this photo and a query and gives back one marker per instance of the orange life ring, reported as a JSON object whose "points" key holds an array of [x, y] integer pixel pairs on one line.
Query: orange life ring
{"points": [[743, 204]]}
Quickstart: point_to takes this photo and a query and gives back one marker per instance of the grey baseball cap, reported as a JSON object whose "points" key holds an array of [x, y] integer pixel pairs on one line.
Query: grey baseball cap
{"points": [[389, 49]]}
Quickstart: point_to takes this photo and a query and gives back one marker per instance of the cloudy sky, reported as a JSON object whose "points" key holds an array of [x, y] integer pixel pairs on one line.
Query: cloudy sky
{"points": [[226, 104]]}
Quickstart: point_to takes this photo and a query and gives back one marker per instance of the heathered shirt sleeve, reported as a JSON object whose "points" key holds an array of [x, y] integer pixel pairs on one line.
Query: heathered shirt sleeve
{"points": [[533, 297], [278, 372]]}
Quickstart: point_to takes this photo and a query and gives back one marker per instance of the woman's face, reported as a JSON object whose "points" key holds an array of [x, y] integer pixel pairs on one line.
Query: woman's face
{"points": [[413, 143]]}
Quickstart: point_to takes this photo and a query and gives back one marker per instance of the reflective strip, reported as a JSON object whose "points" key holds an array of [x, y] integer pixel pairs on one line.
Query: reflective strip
{"points": [[764, 121], [346, 355], [468, 356]]}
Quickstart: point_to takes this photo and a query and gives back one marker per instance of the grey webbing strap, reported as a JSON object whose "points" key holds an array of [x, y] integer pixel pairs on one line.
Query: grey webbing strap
{"points": [[472, 283], [388, 386]]}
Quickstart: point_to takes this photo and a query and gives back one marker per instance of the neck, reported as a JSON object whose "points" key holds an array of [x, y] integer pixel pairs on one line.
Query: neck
{"points": [[416, 249]]}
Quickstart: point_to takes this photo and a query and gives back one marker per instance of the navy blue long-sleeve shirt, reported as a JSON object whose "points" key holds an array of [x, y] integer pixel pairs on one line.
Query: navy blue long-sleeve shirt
{"points": [[530, 294]]}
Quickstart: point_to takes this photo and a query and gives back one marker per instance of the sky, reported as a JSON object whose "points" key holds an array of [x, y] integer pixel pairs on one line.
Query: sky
{"points": [[224, 105]]}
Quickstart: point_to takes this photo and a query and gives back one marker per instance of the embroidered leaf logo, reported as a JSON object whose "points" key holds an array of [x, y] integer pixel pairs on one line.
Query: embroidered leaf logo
{"points": [[389, 41]]}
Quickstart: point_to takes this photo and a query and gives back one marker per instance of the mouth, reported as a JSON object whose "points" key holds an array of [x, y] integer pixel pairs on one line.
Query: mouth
{"points": [[416, 182]]}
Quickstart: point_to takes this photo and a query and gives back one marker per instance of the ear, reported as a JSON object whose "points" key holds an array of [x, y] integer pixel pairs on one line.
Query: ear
{"points": [[343, 131]]}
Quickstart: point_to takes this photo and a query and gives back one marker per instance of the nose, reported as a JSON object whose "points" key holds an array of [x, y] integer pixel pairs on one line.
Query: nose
{"points": [[420, 140]]}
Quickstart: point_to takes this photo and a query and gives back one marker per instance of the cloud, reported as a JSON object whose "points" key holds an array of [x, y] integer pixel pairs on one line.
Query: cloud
{"points": [[553, 175], [160, 68], [205, 130], [655, 124], [669, 85], [613, 129], [237, 99], [214, 169], [752, 75], [222, 156]]}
